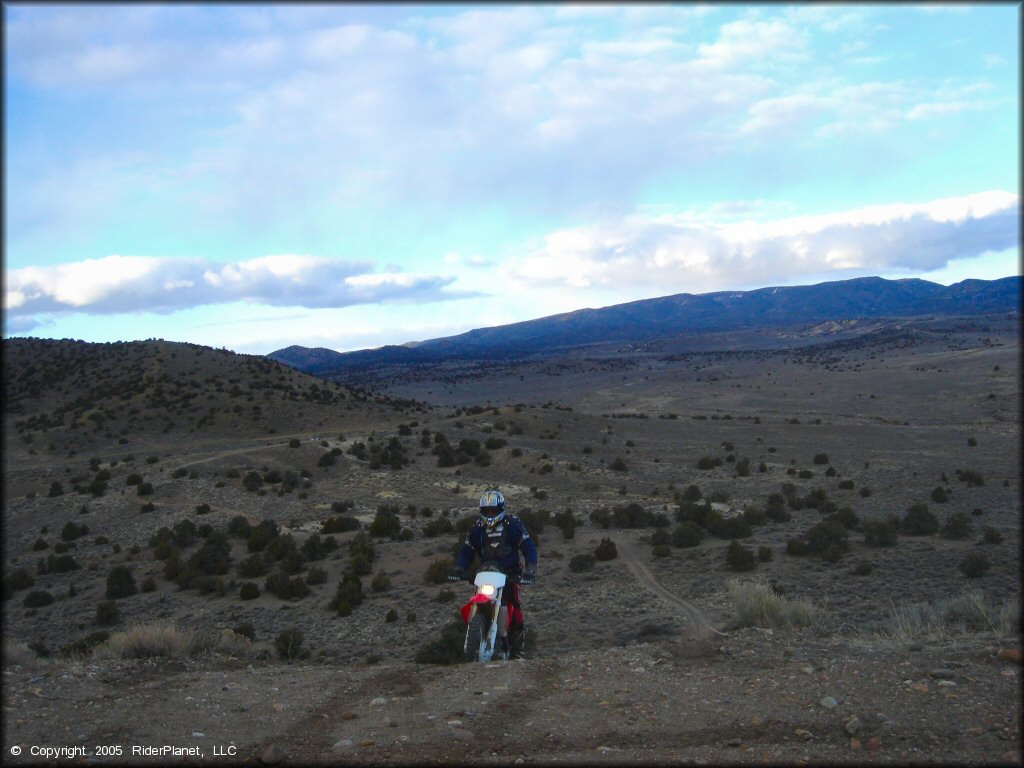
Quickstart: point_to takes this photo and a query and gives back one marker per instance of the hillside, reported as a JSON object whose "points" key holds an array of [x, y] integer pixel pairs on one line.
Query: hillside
{"points": [[683, 315], [817, 551]]}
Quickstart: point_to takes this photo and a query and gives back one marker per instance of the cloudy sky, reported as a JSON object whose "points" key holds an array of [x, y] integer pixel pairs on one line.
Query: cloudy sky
{"points": [[349, 176]]}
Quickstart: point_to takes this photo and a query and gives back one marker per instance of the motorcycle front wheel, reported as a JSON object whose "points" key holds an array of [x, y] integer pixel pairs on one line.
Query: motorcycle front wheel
{"points": [[474, 638]]}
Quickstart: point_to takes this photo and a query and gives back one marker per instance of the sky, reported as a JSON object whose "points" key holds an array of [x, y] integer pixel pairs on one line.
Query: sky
{"points": [[346, 176]]}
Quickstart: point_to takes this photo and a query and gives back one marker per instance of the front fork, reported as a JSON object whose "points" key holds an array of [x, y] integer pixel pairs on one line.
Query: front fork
{"points": [[495, 614]]}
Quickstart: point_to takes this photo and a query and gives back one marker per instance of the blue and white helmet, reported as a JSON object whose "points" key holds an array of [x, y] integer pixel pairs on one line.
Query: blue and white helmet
{"points": [[492, 507]]}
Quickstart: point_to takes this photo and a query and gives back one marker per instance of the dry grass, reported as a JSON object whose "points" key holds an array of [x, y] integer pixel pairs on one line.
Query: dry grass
{"points": [[230, 643], [17, 653], [143, 641], [954, 617], [757, 606]]}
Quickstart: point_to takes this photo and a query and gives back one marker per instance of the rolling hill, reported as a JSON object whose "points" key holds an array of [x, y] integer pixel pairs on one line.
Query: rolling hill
{"points": [[683, 314]]}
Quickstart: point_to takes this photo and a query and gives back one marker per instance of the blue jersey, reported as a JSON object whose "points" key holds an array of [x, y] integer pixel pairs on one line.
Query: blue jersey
{"points": [[500, 544]]}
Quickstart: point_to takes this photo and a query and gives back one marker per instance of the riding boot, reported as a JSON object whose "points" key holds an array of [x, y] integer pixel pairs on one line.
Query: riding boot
{"points": [[517, 642]]}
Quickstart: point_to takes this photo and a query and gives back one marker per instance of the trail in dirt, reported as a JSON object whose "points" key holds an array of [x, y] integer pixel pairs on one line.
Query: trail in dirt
{"points": [[697, 624], [248, 449], [424, 714]]}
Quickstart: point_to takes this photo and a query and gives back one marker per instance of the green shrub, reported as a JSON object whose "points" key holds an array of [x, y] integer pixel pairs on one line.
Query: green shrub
{"points": [[253, 566], [976, 564], [72, 531], [37, 599], [280, 585], [992, 536], [438, 527], [19, 579], [444, 595], [85, 645], [708, 462], [661, 550], [447, 649], [846, 517], [863, 568], [660, 536], [392, 616], [797, 547], [261, 535], [289, 644], [381, 582], [59, 564], [729, 527], [940, 495], [249, 591], [958, 526], [349, 591], [316, 575], [739, 558], [606, 550], [764, 554], [970, 477], [879, 533], [120, 582], [437, 572], [846, 485], [386, 524], [821, 458], [144, 489], [919, 521], [687, 534]]}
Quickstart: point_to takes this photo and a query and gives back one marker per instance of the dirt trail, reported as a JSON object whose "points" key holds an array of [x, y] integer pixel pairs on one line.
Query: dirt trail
{"points": [[213, 456], [698, 626]]}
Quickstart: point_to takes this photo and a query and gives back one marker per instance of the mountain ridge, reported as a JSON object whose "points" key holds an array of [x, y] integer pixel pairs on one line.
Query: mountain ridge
{"points": [[681, 314]]}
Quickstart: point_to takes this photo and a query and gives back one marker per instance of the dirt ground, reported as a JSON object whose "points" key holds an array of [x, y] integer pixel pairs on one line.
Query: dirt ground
{"points": [[639, 660]]}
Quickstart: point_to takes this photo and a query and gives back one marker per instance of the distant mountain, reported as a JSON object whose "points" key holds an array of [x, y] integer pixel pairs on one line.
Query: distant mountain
{"points": [[684, 314]]}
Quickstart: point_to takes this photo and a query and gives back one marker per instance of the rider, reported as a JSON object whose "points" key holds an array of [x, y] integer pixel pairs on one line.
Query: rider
{"points": [[498, 536]]}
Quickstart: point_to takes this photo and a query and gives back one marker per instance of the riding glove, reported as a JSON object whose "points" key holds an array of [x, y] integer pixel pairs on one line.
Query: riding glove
{"points": [[458, 574]]}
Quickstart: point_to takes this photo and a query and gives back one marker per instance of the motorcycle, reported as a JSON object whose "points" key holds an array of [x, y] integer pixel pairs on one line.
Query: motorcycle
{"points": [[481, 616]]}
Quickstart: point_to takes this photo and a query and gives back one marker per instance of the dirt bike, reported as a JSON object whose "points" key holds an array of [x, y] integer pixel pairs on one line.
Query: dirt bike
{"points": [[481, 616]]}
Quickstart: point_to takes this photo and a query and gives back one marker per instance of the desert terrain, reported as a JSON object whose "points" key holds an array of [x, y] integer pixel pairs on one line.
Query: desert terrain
{"points": [[816, 552]]}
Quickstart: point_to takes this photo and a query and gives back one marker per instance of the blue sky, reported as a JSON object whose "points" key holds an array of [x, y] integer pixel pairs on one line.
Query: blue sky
{"points": [[350, 176]]}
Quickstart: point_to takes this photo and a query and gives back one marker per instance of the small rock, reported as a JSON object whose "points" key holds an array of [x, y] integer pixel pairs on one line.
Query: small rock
{"points": [[947, 684], [874, 743], [454, 723], [198, 735], [919, 687], [804, 734], [367, 743], [941, 674], [855, 745], [460, 734], [852, 725], [343, 745], [757, 722], [519, 761], [829, 702], [1010, 654], [733, 742], [380, 701], [349, 716], [272, 755], [1011, 758]]}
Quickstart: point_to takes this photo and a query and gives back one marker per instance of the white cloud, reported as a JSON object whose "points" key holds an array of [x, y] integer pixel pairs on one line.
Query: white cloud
{"points": [[680, 252], [140, 283]]}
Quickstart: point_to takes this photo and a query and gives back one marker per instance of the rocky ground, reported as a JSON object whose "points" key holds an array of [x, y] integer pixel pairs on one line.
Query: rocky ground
{"points": [[640, 659]]}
